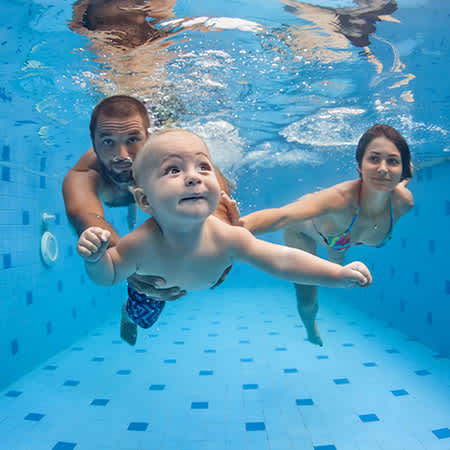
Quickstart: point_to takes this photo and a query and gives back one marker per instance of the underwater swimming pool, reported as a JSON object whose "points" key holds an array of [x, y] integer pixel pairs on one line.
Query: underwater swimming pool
{"points": [[281, 91]]}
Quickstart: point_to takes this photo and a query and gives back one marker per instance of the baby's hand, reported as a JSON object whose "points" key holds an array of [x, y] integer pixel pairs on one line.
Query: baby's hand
{"points": [[93, 243], [355, 274]]}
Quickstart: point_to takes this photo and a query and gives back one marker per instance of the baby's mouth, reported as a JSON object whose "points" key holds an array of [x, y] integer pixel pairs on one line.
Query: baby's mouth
{"points": [[193, 197]]}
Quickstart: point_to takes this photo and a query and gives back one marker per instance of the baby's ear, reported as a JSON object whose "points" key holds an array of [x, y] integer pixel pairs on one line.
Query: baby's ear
{"points": [[141, 199]]}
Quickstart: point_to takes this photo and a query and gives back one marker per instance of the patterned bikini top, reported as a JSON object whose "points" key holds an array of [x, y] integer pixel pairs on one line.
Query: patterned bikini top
{"points": [[342, 242]]}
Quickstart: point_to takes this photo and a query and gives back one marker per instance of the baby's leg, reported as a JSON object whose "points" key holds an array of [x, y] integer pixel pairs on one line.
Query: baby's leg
{"points": [[307, 304]]}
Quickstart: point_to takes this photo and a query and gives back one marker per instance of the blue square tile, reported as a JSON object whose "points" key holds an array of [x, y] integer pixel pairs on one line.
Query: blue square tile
{"points": [[141, 350], [291, 370], [324, 447], [369, 364], [255, 426], [99, 402], [369, 418], [157, 387], [281, 349], [341, 381], [442, 433], [13, 393], [205, 372], [153, 335], [71, 383], [248, 387], [244, 341], [322, 357], [304, 401], [98, 359], [392, 350], [137, 426], [348, 344], [7, 264], [209, 350], [246, 359], [123, 372], [399, 392], [199, 405], [64, 446], [422, 372], [170, 361], [273, 333], [35, 417], [77, 349], [178, 342]]}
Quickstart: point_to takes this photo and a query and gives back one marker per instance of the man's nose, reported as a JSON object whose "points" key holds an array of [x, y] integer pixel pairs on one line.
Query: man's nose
{"points": [[123, 151]]}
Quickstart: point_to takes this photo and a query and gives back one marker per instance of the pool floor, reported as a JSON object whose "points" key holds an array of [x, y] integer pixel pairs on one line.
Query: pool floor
{"points": [[230, 369]]}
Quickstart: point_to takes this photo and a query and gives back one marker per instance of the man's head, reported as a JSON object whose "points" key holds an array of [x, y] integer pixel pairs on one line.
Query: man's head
{"points": [[119, 126], [175, 177]]}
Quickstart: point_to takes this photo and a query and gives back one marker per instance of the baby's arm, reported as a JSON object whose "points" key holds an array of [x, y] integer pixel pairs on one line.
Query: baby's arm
{"points": [[106, 266], [295, 265]]}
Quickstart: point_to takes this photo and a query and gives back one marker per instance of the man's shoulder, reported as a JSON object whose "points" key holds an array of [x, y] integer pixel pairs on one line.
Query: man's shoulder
{"points": [[87, 162]]}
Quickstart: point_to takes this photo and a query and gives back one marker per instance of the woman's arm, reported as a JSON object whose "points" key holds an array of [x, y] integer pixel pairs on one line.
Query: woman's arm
{"points": [[307, 207]]}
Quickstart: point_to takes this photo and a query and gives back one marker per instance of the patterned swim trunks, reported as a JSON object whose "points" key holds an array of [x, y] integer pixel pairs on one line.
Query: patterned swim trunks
{"points": [[143, 310]]}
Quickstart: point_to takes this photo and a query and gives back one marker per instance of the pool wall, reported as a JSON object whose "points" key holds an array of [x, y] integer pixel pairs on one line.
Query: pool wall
{"points": [[42, 309], [411, 287]]}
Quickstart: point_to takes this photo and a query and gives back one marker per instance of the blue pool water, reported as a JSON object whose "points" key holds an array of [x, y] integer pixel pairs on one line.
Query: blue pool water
{"points": [[281, 97]]}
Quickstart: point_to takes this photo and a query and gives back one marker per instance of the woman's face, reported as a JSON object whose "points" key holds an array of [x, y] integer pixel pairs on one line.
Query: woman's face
{"points": [[381, 166]]}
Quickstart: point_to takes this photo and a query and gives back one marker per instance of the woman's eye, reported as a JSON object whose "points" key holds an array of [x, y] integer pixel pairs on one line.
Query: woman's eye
{"points": [[394, 162], [374, 158]]}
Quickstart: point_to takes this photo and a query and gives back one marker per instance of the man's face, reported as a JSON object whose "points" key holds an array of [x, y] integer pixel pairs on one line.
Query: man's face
{"points": [[116, 143]]}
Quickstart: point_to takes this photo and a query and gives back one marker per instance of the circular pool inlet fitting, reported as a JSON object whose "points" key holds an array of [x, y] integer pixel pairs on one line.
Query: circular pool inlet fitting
{"points": [[49, 249]]}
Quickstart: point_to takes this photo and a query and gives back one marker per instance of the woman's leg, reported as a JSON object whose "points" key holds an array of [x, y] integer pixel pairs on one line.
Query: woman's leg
{"points": [[307, 304]]}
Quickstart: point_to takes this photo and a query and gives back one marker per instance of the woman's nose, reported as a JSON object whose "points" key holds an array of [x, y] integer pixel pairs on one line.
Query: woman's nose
{"points": [[382, 166]]}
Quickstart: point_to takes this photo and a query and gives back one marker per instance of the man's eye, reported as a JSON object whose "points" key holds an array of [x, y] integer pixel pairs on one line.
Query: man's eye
{"points": [[107, 142], [133, 140]]}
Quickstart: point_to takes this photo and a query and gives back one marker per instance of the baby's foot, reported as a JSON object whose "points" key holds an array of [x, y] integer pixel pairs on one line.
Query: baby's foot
{"points": [[128, 329], [313, 334]]}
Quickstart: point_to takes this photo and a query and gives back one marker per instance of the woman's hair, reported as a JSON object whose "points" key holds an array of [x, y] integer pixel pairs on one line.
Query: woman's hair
{"points": [[395, 137], [119, 106]]}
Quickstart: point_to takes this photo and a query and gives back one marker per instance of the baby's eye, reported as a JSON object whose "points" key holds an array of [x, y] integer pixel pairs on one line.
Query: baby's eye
{"points": [[205, 167], [172, 170]]}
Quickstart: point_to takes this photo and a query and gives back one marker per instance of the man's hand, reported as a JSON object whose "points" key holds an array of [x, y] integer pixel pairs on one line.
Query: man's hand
{"points": [[93, 243], [149, 285], [232, 209]]}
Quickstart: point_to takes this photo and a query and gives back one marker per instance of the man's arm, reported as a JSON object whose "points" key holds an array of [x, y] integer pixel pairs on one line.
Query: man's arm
{"points": [[80, 191]]}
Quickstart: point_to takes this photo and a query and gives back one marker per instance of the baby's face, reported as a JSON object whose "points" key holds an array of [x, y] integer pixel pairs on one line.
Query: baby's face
{"points": [[178, 178]]}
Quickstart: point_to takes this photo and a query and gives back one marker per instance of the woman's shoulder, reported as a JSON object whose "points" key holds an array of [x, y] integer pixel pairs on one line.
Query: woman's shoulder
{"points": [[402, 200], [343, 195]]}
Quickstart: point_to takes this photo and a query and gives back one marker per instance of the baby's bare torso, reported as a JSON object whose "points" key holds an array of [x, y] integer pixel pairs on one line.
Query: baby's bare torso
{"points": [[191, 265]]}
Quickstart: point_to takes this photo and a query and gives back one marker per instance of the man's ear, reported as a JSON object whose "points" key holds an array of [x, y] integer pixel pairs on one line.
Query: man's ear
{"points": [[142, 200]]}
